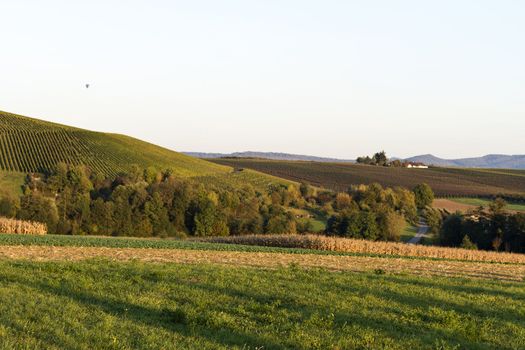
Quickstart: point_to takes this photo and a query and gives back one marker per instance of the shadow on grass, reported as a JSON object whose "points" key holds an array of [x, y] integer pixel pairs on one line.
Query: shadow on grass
{"points": [[371, 318], [298, 295], [167, 319]]}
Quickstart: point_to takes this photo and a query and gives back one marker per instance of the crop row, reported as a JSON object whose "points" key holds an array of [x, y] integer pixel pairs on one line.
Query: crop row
{"points": [[346, 245], [339, 177], [12, 226]]}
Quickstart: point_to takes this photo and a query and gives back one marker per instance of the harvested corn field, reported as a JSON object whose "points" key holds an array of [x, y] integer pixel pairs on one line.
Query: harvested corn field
{"points": [[271, 260], [347, 245]]}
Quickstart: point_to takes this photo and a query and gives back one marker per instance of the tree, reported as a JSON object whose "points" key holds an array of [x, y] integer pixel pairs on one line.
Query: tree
{"points": [[151, 175], [354, 224], [35, 207], [391, 224], [380, 158], [279, 221], [497, 206], [157, 214], [123, 210], [307, 191], [406, 204], [343, 201], [451, 233], [434, 219], [9, 205], [424, 195], [207, 220], [102, 217]]}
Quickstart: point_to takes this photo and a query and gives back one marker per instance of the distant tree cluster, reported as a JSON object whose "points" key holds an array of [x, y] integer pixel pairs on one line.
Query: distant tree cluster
{"points": [[378, 159], [381, 159], [146, 202], [372, 212], [488, 229]]}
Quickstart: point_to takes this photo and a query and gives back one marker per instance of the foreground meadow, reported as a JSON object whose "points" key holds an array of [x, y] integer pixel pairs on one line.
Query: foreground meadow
{"points": [[115, 305]]}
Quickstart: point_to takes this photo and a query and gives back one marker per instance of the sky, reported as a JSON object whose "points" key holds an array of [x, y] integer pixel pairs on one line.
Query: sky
{"points": [[327, 78]]}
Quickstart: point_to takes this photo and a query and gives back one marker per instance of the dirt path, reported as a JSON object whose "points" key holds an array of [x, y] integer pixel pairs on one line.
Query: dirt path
{"points": [[422, 232], [270, 260]]}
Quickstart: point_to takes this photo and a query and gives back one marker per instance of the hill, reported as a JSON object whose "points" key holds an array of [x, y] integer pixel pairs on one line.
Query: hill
{"points": [[495, 161], [266, 155], [32, 145], [339, 177]]}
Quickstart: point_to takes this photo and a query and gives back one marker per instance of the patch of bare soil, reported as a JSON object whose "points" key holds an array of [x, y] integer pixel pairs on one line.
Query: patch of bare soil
{"points": [[452, 206]]}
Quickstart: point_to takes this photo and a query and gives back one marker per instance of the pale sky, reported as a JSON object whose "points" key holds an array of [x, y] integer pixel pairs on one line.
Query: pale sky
{"points": [[327, 78]]}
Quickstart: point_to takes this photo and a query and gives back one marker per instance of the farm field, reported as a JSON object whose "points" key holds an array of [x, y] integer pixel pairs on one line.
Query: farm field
{"points": [[273, 260], [275, 251], [465, 204], [476, 202], [284, 243], [340, 176], [86, 292], [32, 145], [135, 305]]}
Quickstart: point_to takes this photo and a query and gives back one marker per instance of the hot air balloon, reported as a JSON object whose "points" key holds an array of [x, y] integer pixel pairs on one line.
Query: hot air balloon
{"points": [[87, 86]]}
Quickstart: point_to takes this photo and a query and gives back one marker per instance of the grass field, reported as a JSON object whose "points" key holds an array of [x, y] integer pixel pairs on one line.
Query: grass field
{"points": [[363, 256], [304, 216], [11, 182], [476, 202], [467, 204], [108, 305], [340, 176]]}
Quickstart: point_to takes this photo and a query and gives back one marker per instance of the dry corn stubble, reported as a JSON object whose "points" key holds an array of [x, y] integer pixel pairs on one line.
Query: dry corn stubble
{"points": [[21, 227], [346, 245], [271, 260]]}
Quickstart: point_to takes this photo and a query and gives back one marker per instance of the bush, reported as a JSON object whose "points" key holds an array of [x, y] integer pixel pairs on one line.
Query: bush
{"points": [[467, 244], [38, 208]]}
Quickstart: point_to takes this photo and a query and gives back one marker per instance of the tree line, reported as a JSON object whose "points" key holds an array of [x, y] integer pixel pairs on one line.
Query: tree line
{"points": [[492, 228], [148, 202]]}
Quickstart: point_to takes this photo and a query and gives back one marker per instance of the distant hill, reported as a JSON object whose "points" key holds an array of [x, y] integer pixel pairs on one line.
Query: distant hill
{"points": [[32, 145], [267, 155], [499, 161], [489, 161]]}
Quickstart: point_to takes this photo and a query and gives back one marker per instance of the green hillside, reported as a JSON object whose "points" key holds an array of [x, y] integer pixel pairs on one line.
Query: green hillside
{"points": [[32, 145]]}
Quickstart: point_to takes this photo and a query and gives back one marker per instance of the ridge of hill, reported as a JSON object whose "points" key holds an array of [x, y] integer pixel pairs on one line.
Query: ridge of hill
{"points": [[33, 145], [267, 155], [495, 161]]}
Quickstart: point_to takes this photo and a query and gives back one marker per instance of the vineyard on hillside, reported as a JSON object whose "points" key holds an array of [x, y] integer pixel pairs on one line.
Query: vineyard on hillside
{"points": [[31, 145], [340, 176]]}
